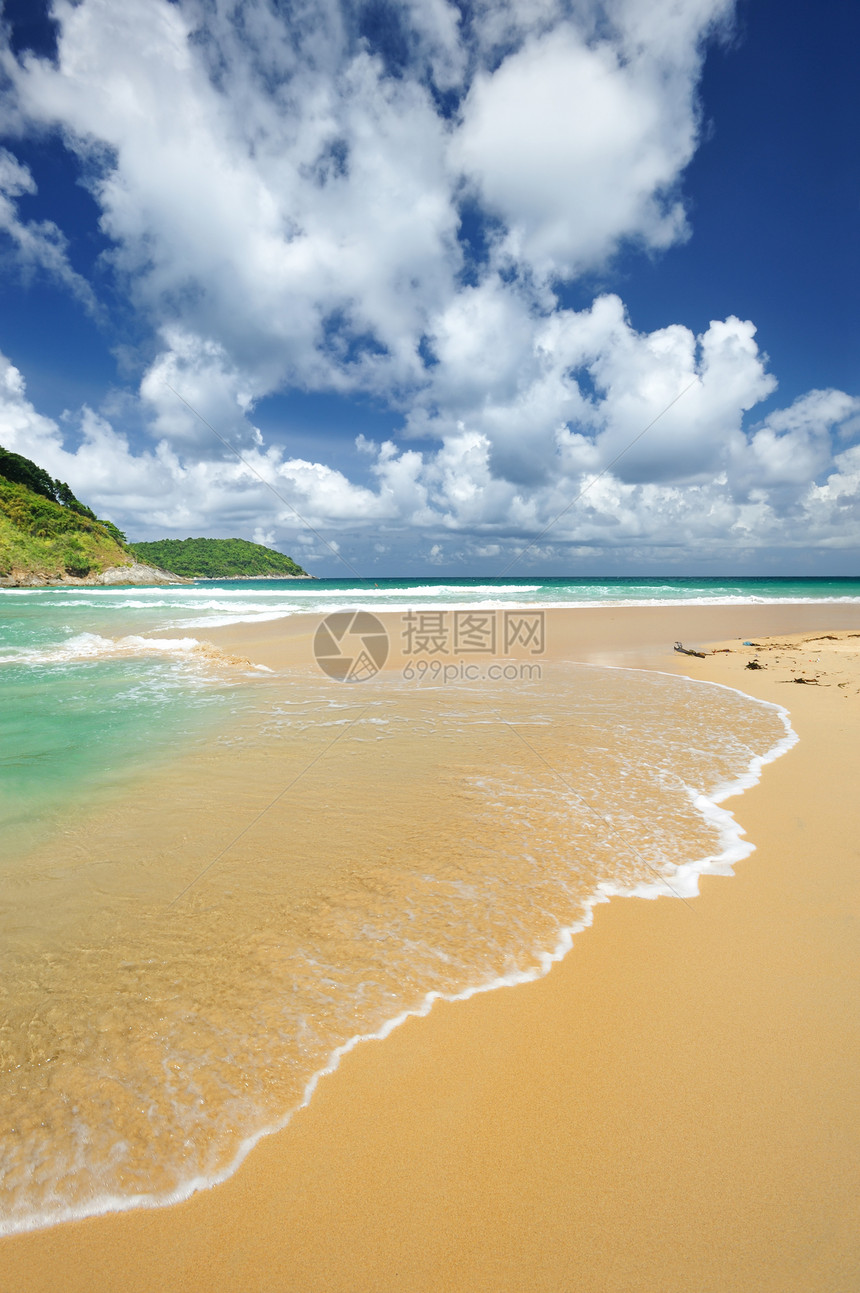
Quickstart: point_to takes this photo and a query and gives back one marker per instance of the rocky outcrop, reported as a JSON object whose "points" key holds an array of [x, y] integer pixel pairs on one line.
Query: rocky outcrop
{"points": [[135, 573]]}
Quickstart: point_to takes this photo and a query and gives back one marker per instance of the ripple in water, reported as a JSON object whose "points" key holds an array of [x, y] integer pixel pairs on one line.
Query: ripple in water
{"points": [[179, 967]]}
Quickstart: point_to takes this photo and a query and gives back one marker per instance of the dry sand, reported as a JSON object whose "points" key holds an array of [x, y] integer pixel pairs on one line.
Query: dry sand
{"points": [[673, 1108]]}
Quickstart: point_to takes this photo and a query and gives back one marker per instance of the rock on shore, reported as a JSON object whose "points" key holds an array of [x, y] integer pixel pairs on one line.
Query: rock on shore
{"points": [[135, 573]]}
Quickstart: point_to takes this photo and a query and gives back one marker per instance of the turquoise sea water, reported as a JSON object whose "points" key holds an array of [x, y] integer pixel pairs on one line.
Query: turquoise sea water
{"points": [[30, 617], [180, 964], [84, 706], [85, 696]]}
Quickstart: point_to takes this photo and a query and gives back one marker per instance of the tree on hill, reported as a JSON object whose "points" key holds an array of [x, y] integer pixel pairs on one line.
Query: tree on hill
{"points": [[216, 558], [19, 470]]}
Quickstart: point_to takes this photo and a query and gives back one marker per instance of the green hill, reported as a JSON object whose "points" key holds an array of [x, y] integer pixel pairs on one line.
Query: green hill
{"points": [[48, 536], [46, 533], [218, 559]]}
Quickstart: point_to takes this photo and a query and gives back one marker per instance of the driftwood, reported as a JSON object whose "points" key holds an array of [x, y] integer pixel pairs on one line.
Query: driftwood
{"points": [[688, 651]]}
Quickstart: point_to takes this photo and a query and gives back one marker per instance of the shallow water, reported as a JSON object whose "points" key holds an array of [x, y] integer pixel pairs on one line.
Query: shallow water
{"points": [[182, 957], [28, 614]]}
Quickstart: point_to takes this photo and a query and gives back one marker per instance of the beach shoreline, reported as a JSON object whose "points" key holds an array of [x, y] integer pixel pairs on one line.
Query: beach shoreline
{"points": [[433, 1159], [592, 634]]}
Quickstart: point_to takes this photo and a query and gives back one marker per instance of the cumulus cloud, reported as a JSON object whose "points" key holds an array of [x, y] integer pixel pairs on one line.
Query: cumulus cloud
{"points": [[581, 386], [296, 198], [451, 495], [22, 427], [574, 149], [307, 228], [304, 215], [794, 445]]}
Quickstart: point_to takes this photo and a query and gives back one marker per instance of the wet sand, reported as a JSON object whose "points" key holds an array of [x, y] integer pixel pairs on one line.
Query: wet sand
{"points": [[674, 1107]]}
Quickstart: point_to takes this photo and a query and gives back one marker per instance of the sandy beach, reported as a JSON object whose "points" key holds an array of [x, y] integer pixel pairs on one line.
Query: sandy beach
{"points": [[674, 1107]]}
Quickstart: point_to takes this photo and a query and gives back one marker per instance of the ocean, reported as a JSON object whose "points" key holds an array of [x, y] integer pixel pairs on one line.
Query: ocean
{"points": [[216, 879]]}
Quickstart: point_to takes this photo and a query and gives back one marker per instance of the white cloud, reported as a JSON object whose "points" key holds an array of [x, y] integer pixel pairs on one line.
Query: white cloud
{"points": [[22, 429], [580, 387], [38, 244], [283, 211], [304, 217], [574, 150], [714, 380], [793, 446], [193, 380], [305, 231], [325, 496]]}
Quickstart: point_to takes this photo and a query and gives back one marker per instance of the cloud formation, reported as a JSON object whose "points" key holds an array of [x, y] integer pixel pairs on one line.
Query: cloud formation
{"points": [[386, 200], [38, 245]]}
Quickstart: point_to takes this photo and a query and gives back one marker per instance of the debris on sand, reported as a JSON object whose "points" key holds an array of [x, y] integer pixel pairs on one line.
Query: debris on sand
{"points": [[679, 646]]}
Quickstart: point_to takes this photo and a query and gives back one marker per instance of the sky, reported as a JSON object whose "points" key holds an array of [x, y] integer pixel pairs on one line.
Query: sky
{"points": [[408, 287]]}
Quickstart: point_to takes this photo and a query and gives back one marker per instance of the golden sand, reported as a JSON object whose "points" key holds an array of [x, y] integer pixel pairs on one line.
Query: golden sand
{"points": [[673, 1108]]}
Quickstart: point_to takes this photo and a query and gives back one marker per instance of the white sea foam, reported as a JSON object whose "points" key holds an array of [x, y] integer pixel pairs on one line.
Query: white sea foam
{"points": [[683, 882], [90, 646], [255, 615]]}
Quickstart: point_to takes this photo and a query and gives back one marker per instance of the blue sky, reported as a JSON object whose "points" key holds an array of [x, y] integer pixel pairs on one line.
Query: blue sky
{"points": [[431, 269]]}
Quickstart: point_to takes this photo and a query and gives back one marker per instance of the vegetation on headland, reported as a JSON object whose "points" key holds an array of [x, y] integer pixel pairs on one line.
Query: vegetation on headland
{"points": [[18, 470], [218, 559], [46, 533]]}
